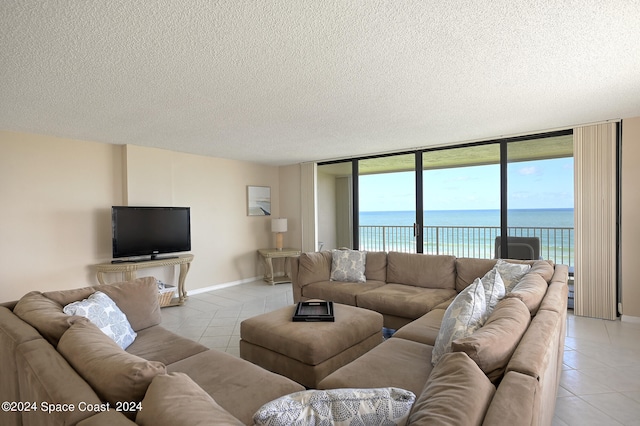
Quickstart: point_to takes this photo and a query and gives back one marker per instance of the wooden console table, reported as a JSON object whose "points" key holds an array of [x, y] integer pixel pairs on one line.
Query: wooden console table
{"points": [[130, 268], [268, 254]]}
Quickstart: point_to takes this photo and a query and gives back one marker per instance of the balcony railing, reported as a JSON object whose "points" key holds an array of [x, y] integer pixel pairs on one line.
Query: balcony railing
{"points": [[557, 243]]}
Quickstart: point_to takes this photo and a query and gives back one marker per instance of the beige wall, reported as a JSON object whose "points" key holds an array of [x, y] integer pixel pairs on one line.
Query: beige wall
{"points": [[630, 225], [224, 238], [290, 205], [57, 195], [55, 216], [327, 210]]}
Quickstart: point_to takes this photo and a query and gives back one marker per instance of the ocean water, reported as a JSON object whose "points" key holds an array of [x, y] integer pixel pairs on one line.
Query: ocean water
{"points": [[469, 233], [562, 218]]}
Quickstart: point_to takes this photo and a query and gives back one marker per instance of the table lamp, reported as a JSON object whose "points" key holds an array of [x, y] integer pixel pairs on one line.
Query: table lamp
{"points": [[279, 226]]}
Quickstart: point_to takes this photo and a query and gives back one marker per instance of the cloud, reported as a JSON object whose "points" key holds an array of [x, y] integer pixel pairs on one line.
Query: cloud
{"points": [[529, 171]]}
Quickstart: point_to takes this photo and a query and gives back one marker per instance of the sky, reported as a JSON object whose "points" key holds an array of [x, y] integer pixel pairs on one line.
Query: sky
{"points": [[531, 184]]}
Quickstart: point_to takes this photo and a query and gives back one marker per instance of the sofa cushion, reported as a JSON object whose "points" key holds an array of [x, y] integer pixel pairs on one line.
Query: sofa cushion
{"points": [[395, 362], [402, 300], [492, 345], [176, 400], [516, 402], [138, 299], [43, 314], [461, 319], [457, 393], [238, 386], [106, 418], [468, 269], [314, 267], [46, 377], [105, 314], [348, 265], [13, 331], [556, 297], [423, 330], [114, 374], [376, 266], [533, 286], [536, 348], [411, 269], [159, 344], [338, 406], [338, 291]]}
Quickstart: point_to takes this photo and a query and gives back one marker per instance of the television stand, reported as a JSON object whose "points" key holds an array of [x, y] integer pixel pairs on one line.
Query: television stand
{"points": [[130, 268]]}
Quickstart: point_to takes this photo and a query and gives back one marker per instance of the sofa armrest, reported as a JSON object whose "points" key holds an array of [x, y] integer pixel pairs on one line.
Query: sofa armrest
{"points": [[295, 283], [309, 268]]}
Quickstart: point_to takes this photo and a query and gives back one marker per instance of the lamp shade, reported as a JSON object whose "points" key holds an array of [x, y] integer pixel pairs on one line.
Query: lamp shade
{"points": [[279, 225]]}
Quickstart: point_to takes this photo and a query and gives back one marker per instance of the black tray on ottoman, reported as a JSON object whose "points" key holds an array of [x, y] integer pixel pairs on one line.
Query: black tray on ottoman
{"points": [[314, 311]]}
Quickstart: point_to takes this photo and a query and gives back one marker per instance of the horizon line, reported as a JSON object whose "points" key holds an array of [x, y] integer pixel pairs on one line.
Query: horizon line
{"points": [[467, 210]]}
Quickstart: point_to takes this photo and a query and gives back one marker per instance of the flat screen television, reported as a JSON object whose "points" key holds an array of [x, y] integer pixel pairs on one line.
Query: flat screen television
{"points": [[142, 231]]}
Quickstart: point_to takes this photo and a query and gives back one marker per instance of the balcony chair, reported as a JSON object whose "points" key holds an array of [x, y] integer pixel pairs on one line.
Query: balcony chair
{"points": [[522, 248]]}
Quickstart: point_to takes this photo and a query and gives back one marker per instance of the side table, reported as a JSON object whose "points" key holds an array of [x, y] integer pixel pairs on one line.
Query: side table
{"points": [[268, 254]]}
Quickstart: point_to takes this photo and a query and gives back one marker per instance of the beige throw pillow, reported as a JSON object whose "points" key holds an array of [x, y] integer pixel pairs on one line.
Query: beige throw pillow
{"points": [[457, 393], [176, 400], [492, 345], [43, 314], [115, 375]]}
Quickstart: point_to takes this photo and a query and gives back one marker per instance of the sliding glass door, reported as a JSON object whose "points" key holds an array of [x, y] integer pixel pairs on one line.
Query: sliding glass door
{"points": [[387, 204], [461, 196], [540, 199]]}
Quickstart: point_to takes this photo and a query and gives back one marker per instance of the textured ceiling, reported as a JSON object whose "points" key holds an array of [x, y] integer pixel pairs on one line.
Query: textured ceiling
{"points": [[286, 81]]}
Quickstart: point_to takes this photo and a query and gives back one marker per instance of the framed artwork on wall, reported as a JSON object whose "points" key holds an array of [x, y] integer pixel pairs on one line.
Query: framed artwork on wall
{"points": [[258, 200]]}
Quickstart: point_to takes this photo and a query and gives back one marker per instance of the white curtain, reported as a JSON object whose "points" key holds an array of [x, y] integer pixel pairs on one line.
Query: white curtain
{"points": [[595, 221]]}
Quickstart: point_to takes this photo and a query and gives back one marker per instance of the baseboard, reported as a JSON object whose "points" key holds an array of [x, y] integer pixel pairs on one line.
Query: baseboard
{"points": [[221, 286], [629, 318]]}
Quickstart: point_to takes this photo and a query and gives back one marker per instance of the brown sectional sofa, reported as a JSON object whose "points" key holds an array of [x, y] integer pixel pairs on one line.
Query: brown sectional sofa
{"points": [[506, 373], [50, 359]]}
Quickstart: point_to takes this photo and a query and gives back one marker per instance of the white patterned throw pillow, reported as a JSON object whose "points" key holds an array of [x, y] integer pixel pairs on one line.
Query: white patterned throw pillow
{"points": [[511, 273], [494, 289], [381, 406], [348, 265], [105, 314], [463, 316]]}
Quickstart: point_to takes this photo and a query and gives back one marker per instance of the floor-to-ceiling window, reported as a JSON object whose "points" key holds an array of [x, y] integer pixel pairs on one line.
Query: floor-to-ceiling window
{"points": [[461, 200], [387, 203], [540, 201], [455, 200]]}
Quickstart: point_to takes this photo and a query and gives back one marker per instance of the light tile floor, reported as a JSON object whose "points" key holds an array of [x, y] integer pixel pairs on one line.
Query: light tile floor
{"points": [[600, 382]]}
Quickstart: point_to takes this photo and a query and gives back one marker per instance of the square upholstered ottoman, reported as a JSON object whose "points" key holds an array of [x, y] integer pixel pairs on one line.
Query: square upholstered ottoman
{"points": [[307, 352]]}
